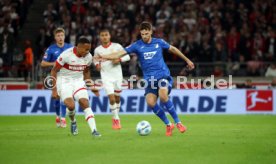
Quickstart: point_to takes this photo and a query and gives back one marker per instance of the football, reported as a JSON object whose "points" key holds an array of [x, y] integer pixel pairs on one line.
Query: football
{"points": [[143, 128]]}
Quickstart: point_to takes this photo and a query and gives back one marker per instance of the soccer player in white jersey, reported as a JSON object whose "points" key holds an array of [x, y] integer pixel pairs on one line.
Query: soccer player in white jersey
{"points": [[70, 73], [111, 74]]}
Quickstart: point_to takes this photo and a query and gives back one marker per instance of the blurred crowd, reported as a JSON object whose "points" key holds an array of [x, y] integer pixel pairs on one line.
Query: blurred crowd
{"points": [[238, 31], [13, 14], [239, 34]]}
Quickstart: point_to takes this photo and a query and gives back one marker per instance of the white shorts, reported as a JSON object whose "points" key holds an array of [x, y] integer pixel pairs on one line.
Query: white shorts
{"points": [[112, 86], [75, 90]]}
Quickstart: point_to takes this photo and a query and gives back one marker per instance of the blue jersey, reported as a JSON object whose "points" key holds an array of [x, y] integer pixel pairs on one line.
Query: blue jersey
{"points": [[53, 52], [150, 56]]}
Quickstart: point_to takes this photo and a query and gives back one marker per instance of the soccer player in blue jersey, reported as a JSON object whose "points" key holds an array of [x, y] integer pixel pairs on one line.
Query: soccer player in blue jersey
{"points": [[48, 61], [150, 55]]}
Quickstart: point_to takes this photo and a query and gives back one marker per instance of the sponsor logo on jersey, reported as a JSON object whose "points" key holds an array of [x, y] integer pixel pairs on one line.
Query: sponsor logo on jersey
{"points": [[75, 67], [149, 55]]}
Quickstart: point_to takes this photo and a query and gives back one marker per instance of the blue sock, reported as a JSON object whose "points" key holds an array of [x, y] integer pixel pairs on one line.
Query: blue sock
{"points": [[57, 106], [161, 114], [63, 110], [170, 108]]}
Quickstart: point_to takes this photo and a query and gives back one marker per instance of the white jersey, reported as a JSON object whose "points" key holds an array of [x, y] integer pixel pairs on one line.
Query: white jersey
{"points": [[110, 71], [72, 65]]}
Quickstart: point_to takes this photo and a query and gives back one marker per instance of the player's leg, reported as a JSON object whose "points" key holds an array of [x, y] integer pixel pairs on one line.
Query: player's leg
{"points": [[112, 105], [57, 109], [82, 97], [114, 111], [65, 92], [151, 101], [63, 115], [118, 107], [70, 104], [109, 89], [164, 91], [55, 102], [117, 91], [118, 101]]}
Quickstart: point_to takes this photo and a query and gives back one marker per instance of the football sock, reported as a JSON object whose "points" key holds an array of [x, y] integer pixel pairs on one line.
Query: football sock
{"points": [[89, 117], [63, 110], [170, 108], [57, 106], [71, 115], [118, 107], [161, 114], [114, 111]]}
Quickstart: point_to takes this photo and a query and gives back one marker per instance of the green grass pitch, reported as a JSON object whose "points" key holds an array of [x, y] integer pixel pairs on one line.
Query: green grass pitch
{"points": [[210, 139]]}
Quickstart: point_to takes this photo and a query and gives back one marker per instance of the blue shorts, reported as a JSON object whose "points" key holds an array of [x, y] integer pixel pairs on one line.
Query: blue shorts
{"points": [[164, 82]]}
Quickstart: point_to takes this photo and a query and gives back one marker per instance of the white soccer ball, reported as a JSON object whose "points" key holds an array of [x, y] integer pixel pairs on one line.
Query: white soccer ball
{"points": [[143, 128]]}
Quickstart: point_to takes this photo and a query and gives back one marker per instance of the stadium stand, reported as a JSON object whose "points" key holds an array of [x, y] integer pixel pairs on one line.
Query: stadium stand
{"points": [[222, 37]]}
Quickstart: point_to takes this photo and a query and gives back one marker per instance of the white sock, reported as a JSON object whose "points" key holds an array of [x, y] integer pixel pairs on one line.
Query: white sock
{"points": [[114, 111], [118, 106], [89, 117]]}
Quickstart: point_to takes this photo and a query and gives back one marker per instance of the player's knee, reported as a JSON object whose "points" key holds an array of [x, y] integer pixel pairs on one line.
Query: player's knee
{"points": [[83, 103], [71, 107], [69, 104], [118, 99], [112, 99], [164, 98], [151, 103], [151, 100]]}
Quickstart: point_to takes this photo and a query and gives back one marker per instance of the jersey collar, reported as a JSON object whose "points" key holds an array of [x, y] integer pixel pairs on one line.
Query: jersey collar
{"points": [[75, 51], [107, 45]]}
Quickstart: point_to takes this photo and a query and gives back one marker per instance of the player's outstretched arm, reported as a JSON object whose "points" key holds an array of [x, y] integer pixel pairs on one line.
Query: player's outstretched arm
{"points": [[177, 52], [46, 64], [54, 71], [114, 55]]}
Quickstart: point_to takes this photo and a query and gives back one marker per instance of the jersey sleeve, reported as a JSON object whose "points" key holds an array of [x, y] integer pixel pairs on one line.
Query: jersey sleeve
{"points": [[164, 44], [47, 55], [90, 60], [95, 53], [131, 48], [125, 57], [62, 59]]}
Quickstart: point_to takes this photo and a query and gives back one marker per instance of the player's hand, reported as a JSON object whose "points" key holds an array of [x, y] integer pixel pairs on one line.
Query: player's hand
{"points": [[97, 58], [190, 65], [55, 94], [116, 61], [98, 67], [96, 92]]}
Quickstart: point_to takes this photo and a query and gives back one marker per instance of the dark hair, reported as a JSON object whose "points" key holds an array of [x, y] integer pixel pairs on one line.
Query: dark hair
{"points": [[145, 26], [83, 40]]}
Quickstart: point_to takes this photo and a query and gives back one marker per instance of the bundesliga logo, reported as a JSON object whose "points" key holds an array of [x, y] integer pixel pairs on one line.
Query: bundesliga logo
{"points": [[259, 100]]}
